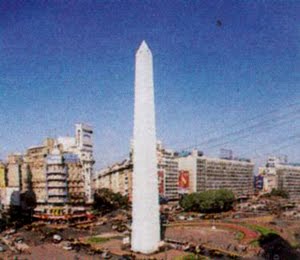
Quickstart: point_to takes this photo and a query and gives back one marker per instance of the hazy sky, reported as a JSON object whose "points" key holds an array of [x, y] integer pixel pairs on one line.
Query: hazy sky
{"points": [[223, 69]]}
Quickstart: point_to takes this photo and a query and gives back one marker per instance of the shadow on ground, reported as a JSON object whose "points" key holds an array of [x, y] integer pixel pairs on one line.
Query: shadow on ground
{"points": [[275, 247]]}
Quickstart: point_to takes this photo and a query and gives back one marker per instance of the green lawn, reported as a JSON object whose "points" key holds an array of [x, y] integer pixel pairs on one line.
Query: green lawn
{"points": [[98, 239], [191, 257], [262, 230], [254, 243], [239, 235]]}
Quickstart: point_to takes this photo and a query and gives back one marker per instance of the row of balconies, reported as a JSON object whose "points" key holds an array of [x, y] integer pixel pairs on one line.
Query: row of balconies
{"points": [[222, 164], [231, 184], [228, 170], [76, 186], [173, 174], [227, 178], [211, 184], [56, 193], [56, 171], [75, 181], [56, 178], [227, 181], [57, 200], [224, 176], [57, 185], [76, 193]]}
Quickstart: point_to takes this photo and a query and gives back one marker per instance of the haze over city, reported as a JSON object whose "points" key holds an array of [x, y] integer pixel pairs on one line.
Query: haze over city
{"points": [[222, 69], [149, 130]]}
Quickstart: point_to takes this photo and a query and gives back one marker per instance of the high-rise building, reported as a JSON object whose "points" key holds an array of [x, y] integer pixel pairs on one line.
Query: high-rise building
{"points": [[34, 169], [56, 179], [118, 177], [279, 174], [206, 173], [289, 179], [58, 173], [167, 172], [84, 145], [14, 162]]}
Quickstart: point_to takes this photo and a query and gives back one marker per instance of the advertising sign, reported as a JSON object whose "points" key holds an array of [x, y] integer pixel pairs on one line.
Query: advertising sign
{"points": [[258, 182], [161, 183], [183, 182], [54, 159], [71, 158]]}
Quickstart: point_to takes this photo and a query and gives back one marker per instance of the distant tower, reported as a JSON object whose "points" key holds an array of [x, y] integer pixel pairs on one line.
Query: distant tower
{"points": [[84, 145], [145, 202]]}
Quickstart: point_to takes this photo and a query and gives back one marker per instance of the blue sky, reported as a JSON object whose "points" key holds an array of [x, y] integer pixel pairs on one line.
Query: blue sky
{"points": [[73, 61]]}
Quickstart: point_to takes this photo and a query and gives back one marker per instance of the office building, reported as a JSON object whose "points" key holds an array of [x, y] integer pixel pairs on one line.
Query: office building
{"points": [[118, 177], [206, 173]]}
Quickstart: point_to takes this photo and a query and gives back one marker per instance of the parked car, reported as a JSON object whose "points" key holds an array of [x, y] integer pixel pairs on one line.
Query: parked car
{"points": [[163, 200]]}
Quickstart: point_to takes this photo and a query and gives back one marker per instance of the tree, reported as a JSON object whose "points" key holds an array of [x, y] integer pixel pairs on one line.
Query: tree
{"points": [[279, 193], [208, 201], [105, 200]]}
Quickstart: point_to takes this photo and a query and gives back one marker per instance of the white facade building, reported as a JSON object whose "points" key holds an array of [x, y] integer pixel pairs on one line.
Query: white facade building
{"points": [[82, 145], [206, 173]]}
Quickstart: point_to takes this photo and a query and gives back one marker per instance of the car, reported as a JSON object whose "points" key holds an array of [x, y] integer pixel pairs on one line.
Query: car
{"points": [[11, 231], [163, 200], [181, 217], [67, 246], [106, 254], [19, 240], [57, 238]]}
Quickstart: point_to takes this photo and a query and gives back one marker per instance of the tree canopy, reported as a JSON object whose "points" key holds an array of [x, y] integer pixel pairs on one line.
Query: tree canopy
{"points": [[279, 193], [105, 200], [208, 201]]}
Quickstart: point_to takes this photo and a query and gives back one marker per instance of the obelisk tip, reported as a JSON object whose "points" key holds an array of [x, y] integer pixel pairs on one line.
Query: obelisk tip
{"points": [[143, 46]]}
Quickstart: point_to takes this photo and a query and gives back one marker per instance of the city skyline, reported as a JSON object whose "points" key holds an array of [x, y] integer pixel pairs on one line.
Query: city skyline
{"points": [[217, 65]]}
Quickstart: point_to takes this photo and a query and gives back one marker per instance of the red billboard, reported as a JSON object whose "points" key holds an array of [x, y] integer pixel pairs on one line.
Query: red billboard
{"points": [[183, 182], [161, 183]]}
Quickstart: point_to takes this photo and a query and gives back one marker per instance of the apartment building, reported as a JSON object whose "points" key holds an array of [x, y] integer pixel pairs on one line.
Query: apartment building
{"points": [[34, 169], [118, 177], [167, 172], [14, 162], [279, 174], [56, 179], [58, 172], [207, 173], [289, 179]]}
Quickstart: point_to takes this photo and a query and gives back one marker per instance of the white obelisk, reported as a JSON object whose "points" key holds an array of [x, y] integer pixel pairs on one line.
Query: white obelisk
{"points": [[145, 235]]}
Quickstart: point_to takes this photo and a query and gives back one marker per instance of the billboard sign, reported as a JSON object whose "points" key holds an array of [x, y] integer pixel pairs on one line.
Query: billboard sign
{"points": [[161, 182], [54, 159], [71, 158], [259, 182], [183, 182]]}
